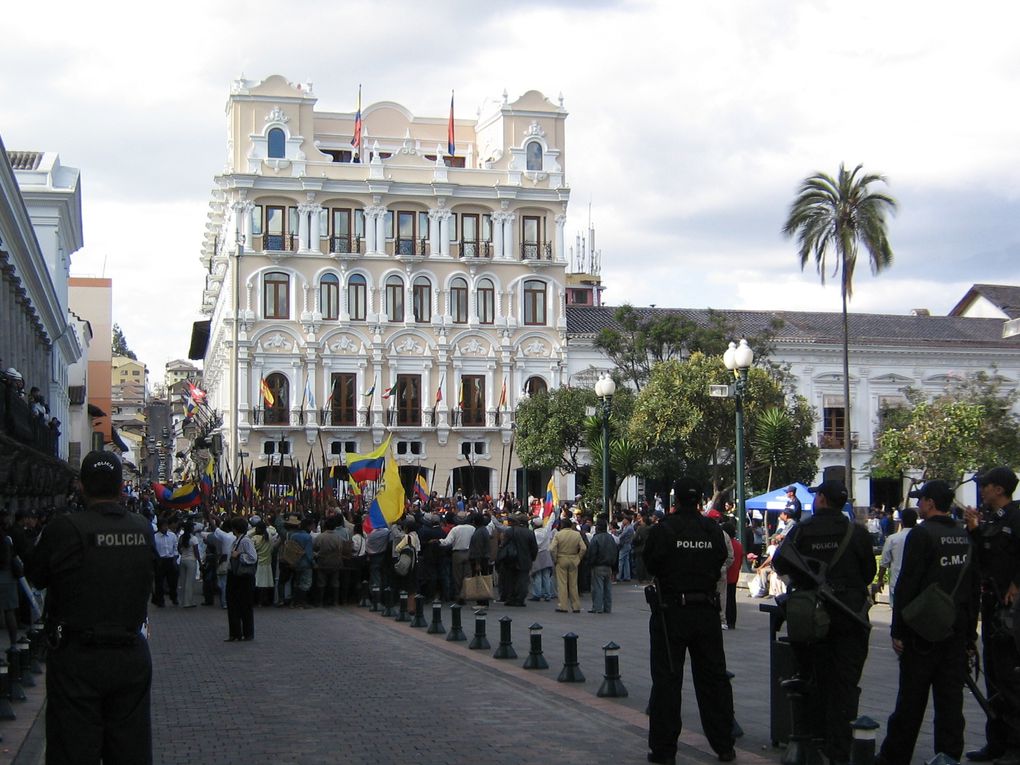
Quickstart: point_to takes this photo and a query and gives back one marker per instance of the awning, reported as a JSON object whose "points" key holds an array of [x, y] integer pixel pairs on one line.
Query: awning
{"points": [[199, 340]]}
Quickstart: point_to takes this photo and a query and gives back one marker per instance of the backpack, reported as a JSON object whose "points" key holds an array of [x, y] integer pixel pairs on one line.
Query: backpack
{"points": [[807, 620], [932, 614], [405, 561], [292, 553]]}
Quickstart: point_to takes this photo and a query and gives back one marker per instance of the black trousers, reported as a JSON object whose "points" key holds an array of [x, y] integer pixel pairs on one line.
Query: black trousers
{"points": [[166, 581], [1002, 685], [240, 606], [695, 629], [731, 605], [833, 668], [97, 705], [924, 666]]}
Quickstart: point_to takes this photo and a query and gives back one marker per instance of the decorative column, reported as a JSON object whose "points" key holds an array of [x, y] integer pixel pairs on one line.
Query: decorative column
{"points": [[444, 233], [560, 253], [434, 246], [370, 230], [497, 234], [508, 236], [303, 210], [246, 226], [315, 236], [380, 230]]}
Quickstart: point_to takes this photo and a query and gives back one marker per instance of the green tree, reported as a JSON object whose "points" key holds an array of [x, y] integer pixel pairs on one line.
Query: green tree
{"points": [[835, 218], [643, 338], [551, 429], [969, 427], [120, 346]]}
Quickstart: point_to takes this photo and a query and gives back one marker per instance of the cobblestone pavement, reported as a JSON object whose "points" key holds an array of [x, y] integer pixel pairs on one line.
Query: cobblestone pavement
{"points": [[346, 685]]}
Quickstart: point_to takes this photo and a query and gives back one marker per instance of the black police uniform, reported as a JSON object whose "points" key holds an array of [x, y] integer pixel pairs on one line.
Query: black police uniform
{"points": [[97, 567], [997, 550], [833, 666], [685, 553], [935, 551]]}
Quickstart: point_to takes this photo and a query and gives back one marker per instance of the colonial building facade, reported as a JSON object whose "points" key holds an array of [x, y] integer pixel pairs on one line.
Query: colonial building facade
{"points": [[401, 288]]}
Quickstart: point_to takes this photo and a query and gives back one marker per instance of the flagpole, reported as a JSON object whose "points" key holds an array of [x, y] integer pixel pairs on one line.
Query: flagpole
{"points": [[510, 460]]}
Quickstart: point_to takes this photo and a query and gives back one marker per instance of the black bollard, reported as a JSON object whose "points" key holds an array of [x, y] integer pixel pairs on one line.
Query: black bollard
{"points": [[6, 710], [43, 646], [505, 650], [535, 658], [375, 599], [479, 641], [612, 685], [35, 643], [863, 751], [436, 627], [24, 651], [14, 687], [456, 630], [419, 617], [800, 747], [402, 615], [389, 607], [366, 600], [571, 672]]}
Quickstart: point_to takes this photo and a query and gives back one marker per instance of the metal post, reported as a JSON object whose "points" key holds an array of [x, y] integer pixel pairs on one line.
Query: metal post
{"points": [[479, 641], [436, 627], [571, 672], [402, 615], [863, 749], [366, 601], [389, 609], [6, 710], [535, 658], [456, 632], [741, 499], [375, 599], [24, 656], [14, 688], [607, 404], [612, 685], [800, 748], [506, 647], [419, 617]]}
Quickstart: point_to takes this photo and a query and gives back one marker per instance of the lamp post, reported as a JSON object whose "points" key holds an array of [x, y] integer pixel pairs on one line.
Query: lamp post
{"points": [[738, 359], [605, 388]]}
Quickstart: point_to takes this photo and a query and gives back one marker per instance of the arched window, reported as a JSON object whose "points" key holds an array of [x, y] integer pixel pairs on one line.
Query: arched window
{"points": [[534, 302], [395, 298], [536, 385], [277, 412], [357, 291], [329, 297], [421, 299], [278, 144], [276, 295], [485, 297], [459, 300], [534, 156]]}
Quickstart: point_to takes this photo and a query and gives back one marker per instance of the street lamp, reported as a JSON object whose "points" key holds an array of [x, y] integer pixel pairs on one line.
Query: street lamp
{"points": [[604, 389], [738, 359]]}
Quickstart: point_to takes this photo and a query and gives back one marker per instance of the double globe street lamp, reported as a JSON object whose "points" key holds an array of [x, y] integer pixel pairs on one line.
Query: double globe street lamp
{"points": [[605, 389], [738, 359]]}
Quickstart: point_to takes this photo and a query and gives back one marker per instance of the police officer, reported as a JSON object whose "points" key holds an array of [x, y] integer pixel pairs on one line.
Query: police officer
{"points": [[995, 532], [685, 553], [794, 507], [937, 551], [832, 666], [97, 567]]}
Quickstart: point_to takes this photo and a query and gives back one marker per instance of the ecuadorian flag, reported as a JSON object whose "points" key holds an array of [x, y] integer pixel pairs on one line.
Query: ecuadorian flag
{"points": [[186, 495], [551, 501], [368, 467], [421, 488], [388, 505]]}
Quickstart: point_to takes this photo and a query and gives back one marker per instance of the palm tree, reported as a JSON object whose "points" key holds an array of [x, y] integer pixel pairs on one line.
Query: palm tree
{"points": [[773, 439], [835, 218]]}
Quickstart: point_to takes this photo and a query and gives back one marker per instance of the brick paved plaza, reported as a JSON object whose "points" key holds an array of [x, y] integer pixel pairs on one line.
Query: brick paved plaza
{"points": [[346, 685]]}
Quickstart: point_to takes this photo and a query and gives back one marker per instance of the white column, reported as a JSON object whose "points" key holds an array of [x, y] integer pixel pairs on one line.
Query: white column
{"points": [[370, 213], [303, 227], [508, 236], [497, 234], [434, 246], [444, 233], [315, 236], [246, 226], [560, 254], [380, 229]]}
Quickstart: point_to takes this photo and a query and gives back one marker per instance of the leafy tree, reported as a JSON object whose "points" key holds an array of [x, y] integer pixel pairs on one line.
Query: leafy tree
{"points": [[773, 441], [970, 427], [551, 429], [796, 460], [643, 339], [120, 346], [836, 217]]}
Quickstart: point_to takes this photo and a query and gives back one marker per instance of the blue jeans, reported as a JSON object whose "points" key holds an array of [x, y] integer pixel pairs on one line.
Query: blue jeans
{"points": [[624, 573], [601, 589], [542, 584]]}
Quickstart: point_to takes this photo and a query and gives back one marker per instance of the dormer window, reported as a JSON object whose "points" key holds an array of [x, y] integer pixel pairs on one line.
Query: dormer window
{"points": [[278, 144], [534, 156]]}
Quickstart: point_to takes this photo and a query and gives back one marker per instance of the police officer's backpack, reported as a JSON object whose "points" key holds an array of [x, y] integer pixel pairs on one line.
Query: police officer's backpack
{"points": [[807, 620], [932, 613]]}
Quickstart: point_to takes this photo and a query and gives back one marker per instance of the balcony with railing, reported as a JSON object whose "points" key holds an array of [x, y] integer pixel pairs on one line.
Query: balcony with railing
{"points": [[828, 439], [345, 245], [541, 251], [19, 423], [407, 247], [276, 242], [475, 250]]}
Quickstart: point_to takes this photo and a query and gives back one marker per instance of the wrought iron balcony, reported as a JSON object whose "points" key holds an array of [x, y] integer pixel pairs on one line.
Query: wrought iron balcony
{"points": [[475, 250], [344, 245], [828, 439], [410, 247], [338, 418], [536, 251]]}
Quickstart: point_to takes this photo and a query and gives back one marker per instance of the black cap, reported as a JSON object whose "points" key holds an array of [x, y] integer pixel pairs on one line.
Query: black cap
{"points": [[1000, 476], [686, 491], [101, 474], [834, 491], [791, 488], [938, 491]]}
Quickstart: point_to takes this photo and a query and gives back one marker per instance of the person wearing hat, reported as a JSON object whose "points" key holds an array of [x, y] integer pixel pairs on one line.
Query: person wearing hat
{"points": [[685, 554], [97, 567], [832, 665], [938, 551], [794, 507], [995, 531]]}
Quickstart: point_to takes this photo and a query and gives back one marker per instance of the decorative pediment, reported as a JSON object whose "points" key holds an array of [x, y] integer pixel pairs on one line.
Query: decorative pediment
{"points": [[277, 115], [408, 345], [535, 348], [891, 379], [277, 342], [344, 344], [474, 347], [534, 129]]}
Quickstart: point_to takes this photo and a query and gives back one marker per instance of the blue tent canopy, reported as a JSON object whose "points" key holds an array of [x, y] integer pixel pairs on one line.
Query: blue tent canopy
{"points": [[775, 500]]}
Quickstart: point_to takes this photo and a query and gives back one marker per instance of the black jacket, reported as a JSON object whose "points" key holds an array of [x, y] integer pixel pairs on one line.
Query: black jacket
{"points": [[685, 552]]}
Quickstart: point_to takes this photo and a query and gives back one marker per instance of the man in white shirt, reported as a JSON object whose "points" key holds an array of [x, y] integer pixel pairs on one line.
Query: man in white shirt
{"points": [[459, 540], [166, 566], [892, 552]]}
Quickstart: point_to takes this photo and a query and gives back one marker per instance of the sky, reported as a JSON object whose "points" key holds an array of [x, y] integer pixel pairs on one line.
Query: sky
{"points": [[690, 127]]}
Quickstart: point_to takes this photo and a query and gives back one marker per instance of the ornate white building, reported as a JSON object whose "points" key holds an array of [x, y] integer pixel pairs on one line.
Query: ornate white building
{"points": [[437, 279]]}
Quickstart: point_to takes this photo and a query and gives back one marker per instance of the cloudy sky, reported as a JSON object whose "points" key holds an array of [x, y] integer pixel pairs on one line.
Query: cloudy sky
{"points": [[691, 125]]}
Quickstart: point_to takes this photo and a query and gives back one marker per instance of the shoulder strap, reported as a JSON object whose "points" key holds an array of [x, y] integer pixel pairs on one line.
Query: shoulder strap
{"points": [[843, 545], [959, 579]]}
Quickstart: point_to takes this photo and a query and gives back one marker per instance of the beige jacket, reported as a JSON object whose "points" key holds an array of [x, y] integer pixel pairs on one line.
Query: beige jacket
{"points": [[567, 543]]}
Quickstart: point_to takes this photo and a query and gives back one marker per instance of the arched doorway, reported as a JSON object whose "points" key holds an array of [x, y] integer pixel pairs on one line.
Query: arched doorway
{"points": [[472, 480]]}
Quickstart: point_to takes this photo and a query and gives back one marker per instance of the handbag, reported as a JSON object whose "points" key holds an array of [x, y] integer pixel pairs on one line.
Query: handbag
{"points": [[478, 587], [932, 614], [239, 567], [292, 553]]}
